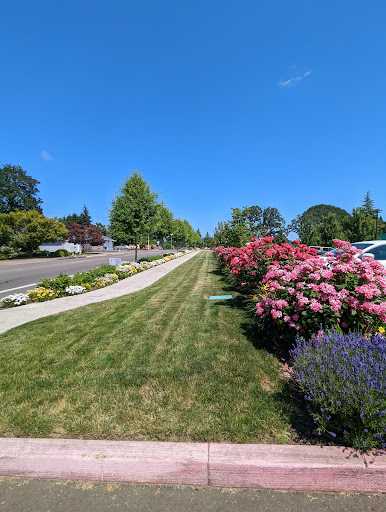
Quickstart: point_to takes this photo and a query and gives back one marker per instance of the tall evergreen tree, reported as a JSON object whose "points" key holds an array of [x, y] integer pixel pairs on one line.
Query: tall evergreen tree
{"points": [[85, 216], [368, 205], [361, 227]]}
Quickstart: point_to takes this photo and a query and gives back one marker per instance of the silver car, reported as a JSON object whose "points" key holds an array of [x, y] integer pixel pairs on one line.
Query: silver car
{"points": [[371, 249]]}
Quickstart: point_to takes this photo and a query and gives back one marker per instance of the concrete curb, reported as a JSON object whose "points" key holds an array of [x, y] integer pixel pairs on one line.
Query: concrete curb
{"points": [[286, 467]]}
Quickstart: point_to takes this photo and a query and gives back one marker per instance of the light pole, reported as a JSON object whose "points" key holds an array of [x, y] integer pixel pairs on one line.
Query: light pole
{"points": [[171, 242], [377, 212]]}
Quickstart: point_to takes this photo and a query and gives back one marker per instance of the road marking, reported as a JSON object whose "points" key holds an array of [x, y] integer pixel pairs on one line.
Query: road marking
{"points": [[26, 285], [18, 288]]}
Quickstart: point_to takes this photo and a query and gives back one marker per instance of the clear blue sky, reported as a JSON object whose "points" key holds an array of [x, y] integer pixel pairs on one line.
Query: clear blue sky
{"points": [[218, 103]]}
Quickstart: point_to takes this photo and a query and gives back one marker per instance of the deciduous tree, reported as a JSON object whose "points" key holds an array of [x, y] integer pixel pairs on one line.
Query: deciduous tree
{"points": [[132, 210], [18, 191], [31, 228], [85, 234]]}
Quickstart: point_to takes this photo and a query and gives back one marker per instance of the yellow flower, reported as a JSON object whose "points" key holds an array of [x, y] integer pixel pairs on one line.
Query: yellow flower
{"points": [[265, 287], [255, 298], [381, 330]]}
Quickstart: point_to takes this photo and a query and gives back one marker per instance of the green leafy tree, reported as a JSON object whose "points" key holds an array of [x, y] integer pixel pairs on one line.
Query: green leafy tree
{"points": [[132, 210], [32, 228], [207, 240], [329, 229], [196, 239], [162, 223], [219, 237], [239, 228], [18, 191], [281, 237], [273, 223], [309, 225], [307, 234], [254, 220], [5, 232], [106, 230], [181, 230]]}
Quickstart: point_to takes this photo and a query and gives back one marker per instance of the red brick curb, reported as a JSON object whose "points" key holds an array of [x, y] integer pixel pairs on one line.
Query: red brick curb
{"points": [[289, 467]]}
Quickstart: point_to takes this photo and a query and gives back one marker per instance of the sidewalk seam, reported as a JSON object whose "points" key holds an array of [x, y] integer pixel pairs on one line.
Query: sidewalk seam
{"points": [[208, 468]]}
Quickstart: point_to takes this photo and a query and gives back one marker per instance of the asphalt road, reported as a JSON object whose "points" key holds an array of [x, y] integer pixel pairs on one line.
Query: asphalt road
{"points": [[35, 495], [18, 276]]}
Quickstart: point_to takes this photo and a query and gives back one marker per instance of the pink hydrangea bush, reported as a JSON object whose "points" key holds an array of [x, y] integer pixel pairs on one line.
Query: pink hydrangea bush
{"points": [[249, 264], [344, 292]]}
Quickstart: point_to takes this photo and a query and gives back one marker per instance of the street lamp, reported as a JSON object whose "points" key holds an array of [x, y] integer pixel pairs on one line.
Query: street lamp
{"points": [[171, 242], [377, 211]]}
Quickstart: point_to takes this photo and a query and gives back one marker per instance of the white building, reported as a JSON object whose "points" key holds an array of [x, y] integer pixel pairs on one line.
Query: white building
{"points": [[60, 244], [109, 243]]}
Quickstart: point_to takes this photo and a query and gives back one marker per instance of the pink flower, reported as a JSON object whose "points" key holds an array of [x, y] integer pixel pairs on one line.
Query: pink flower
{"points": [[276, 314], [280, 304], [316, 306], [295, 317], [259, 309]]}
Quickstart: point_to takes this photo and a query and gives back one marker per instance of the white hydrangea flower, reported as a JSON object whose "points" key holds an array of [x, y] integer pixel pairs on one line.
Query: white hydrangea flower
{"points": [[75, 289]]}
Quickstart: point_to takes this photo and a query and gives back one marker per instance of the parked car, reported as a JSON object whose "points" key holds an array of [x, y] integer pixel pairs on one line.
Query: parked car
{"points": [[321, 250], [371, 249], [122, 247]]}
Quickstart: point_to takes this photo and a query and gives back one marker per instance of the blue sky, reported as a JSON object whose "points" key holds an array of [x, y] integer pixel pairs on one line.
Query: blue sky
{"points": [[218, 103]]}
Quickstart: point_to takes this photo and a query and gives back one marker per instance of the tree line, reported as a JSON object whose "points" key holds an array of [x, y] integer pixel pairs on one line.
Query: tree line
{"points": [[135, 216], [317, 226]]}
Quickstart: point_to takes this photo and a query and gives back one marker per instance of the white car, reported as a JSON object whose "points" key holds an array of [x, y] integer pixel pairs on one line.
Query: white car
{"points": [[371, 249]]}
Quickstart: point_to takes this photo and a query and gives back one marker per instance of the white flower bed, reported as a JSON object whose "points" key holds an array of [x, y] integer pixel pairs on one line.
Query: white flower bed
{"points": [[16, 299], [75, 290], [125, 267]]}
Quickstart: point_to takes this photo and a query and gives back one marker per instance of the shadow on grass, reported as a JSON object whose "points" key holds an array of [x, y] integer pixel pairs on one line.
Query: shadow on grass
{"points": [[291, 398]]}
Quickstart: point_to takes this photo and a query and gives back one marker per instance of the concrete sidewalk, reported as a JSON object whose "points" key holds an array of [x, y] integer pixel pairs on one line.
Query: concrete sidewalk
{"points": [[285, 467], [13, 317]]}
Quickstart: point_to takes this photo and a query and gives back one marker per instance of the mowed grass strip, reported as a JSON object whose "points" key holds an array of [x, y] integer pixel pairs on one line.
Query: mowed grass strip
{"points": [[164, 363]]}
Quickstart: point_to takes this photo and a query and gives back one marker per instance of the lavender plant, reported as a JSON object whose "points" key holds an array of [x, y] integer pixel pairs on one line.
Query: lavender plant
{"points": [[343, 377]]}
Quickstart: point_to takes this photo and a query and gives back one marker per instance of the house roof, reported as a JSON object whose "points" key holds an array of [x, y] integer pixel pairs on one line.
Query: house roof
{"points": [[108, 239]]}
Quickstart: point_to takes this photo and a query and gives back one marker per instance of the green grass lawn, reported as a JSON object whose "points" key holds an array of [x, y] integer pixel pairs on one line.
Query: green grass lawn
{"points": [[163, 363]]}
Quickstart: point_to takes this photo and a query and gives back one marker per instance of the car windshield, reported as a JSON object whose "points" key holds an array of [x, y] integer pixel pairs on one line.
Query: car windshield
{"points": [[358, 245]]}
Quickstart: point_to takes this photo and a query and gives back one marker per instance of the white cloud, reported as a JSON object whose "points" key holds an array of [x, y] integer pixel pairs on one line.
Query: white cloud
{"points": [[46, 155], [292, 81]]}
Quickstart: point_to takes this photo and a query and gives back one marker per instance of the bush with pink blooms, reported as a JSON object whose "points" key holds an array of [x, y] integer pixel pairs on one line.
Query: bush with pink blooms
{"points": [[249, 264], [348, 294], [297, 291]]}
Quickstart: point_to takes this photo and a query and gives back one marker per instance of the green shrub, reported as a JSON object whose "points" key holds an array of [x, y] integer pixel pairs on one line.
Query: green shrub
{"points": [[41, 254], [5, 252], [59, 284], [91, 275], [151, 258]]}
